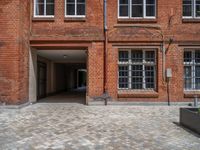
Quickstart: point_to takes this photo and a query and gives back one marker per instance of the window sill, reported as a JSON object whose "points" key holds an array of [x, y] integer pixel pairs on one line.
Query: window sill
{"points": [[42, 19], [191, 94], [75, 19], [137, 94], [143, 20], [192, 20]]}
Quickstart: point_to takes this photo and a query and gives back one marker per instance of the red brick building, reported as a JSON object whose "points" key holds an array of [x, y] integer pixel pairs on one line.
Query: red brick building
{"points": [[49, 46]]}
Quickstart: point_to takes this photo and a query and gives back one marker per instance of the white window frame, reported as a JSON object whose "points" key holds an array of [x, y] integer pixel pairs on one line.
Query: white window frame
{"points": [[129, 64], [74, 16], [193, 65], [130, 11], [193, 11], [43, 16]]}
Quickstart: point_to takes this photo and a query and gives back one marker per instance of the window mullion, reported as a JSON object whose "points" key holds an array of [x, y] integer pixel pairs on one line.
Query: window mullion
{"points": [[130, 70], [143, 70], [193, 70], [75, 7], [194, 8], [130, 8], [45, 7], [144, 8]]}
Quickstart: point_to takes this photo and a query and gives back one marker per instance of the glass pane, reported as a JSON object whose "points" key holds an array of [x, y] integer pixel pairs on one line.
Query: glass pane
{"points": [[198, 10], [197, 83], [137, 11], [70, 9], [137, 1], [40, 1], [187, 56], [150, 56], [150, 10], [123, 76], [137, 77], [123, 2], [71, 1], [123, 56], [188, 83], [81, 1], [50, 9], [50, 1], [149, 76], [185, 2], [40, 9], [197, 56], [150, 1], [187, 71], [187, 7], [197, 71], [137, 56], [188, 77], [80, 9], [123, 11]]}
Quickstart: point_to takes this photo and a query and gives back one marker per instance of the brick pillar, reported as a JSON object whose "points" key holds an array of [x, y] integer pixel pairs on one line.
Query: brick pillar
{"points": [[95, 70]]}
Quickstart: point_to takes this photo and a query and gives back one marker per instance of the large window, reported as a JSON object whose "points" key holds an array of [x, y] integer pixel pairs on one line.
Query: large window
{"points": [[137, 8], [75, 8], [191, 8], [137, 69], [43, 8], [192, 69]]}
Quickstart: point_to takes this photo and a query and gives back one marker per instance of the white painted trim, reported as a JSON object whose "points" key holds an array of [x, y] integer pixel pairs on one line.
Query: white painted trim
{"points": [[129, 63], [42, 16], [74, 16], [193, 16], [130, 11]]}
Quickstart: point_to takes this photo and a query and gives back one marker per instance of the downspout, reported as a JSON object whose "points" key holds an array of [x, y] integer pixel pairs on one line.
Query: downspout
{"points": [[105, 53], [164, 59], [105, 44]]}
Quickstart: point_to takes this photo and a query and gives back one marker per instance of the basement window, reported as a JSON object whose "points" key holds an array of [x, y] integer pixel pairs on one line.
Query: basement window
{"points": [[75, 8], [137, 9], [137, 69], [43, 8], [191, 9], [192, 70]]}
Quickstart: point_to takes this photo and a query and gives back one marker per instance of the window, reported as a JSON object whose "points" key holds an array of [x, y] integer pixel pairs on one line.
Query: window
{"points": [[137, 8], [191, 8], [192, 69], [75, 8], [137, 69], [43, 8]]}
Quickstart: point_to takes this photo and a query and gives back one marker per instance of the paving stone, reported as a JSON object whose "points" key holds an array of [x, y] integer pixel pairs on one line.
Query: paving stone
{"points": [[79, 127]]}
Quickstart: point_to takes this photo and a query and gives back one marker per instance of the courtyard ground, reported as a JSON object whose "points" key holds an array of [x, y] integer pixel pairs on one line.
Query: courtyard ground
{"points": [[78, 127]]}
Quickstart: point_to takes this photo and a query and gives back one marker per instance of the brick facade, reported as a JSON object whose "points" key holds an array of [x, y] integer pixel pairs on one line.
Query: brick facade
{"points": [[20, 32]]}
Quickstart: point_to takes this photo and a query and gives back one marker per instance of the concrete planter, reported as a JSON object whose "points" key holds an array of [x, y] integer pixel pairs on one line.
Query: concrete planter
{"points": [[190, 118]]}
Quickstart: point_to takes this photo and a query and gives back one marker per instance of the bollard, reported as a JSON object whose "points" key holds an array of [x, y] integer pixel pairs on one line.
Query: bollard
{"points": [[196, 101]]}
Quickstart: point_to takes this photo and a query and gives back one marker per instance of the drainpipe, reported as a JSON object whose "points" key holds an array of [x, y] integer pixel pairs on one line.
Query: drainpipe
{"points": [[105, 42], [105, 50]]}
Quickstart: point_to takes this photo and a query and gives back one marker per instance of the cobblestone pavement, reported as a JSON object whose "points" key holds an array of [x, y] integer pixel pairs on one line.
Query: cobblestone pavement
{"points": [[79, 127]]}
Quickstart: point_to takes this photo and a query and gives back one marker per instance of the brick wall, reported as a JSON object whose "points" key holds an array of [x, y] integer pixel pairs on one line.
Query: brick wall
{"points": [[13, 48], [18, 26]]}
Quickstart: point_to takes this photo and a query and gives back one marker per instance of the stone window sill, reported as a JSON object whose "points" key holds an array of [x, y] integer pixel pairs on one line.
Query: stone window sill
{"points": [[144, 20], [42, 19], [76, 19], [191, 94], [191, 20], [137, 94]]}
